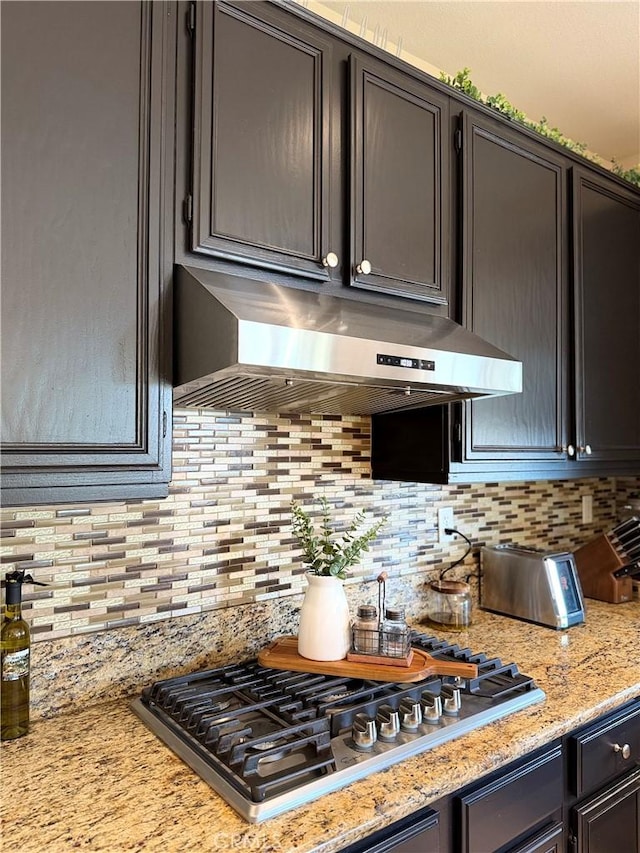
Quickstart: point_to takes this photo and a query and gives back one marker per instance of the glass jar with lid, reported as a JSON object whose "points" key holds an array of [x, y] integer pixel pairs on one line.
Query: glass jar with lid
{"points": [[449, 604]]}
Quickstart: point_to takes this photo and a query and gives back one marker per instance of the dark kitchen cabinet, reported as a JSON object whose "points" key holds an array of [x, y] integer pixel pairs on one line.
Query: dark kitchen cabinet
{"points": [[314, 161], [261, 167], [578, 794], [558, 286], [419, 833], [87, 158], [606, 258], [517, 809], [604, 783], [550, 840], [513, 259], [514, 280], [610, 820], [399, 183]]}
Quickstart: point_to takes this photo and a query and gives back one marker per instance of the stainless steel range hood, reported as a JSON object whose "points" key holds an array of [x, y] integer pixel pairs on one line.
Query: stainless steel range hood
{"points": [[255, 346]]}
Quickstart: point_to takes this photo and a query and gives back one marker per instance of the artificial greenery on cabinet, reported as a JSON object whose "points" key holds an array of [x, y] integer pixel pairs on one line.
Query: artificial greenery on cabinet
{"points": [[462, 81]]}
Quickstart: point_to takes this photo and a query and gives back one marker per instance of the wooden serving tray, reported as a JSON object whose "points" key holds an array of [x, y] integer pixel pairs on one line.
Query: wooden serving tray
{"points": [[381, 659], [283, 654]]}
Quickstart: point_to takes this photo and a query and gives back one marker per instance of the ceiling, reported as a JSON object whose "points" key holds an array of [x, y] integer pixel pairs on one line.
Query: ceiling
{"points": [[575, 62]]}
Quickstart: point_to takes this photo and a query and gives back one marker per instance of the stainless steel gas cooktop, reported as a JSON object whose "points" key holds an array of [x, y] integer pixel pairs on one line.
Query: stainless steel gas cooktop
{"points": [[267, 740]]}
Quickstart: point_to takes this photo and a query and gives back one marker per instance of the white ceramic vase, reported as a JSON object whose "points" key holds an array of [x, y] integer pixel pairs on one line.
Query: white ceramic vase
{"points": [[325, 632]]}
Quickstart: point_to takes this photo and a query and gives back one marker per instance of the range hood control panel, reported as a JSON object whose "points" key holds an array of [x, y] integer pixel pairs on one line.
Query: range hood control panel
{"points": [[403, 361]]}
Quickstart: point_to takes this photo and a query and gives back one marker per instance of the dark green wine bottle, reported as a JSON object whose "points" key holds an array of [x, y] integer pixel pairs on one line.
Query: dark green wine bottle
{"points": [[15, 648]]}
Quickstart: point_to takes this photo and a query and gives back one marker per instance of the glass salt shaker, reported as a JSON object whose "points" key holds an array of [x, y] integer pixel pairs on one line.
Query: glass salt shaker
{"points": [[395, 633], [366, 635]]}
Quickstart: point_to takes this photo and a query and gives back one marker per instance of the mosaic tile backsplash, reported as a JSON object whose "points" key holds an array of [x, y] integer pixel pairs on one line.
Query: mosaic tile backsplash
{"points": [[223, 536]]}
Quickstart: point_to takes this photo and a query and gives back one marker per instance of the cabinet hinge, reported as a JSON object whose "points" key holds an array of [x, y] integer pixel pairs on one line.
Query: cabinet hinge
{"points": [[457, 140], [164, 424], [191, 19], [187, 209], [457, 434]]}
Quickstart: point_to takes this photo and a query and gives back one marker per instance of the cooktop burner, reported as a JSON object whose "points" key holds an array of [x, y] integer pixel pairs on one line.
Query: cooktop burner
{"points": [[268, 740]]}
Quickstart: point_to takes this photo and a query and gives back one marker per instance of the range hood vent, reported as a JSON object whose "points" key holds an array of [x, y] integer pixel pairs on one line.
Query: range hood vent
{"points": [[254, 346]]}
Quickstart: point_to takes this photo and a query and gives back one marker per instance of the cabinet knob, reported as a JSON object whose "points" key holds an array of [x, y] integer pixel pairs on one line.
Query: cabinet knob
{"points": [[330, 260], [569, 450], [364, 267], [586, 449], [625, 749]]}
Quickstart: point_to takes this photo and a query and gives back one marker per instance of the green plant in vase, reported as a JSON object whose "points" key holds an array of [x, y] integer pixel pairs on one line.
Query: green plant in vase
{"points": [[325, 627], [324, 552]]}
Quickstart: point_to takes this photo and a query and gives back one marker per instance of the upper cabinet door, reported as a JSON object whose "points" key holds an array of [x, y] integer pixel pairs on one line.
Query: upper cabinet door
{"points": [[399, 183], [87, 166], [515, 281], [606, 248], [261, 139]]}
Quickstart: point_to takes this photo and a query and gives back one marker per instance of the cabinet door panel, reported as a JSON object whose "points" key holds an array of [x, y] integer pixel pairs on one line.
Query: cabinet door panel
{"points": [[419, 833], [610, 820], [50, 322], [514, 280], [85, 168], [595, 760], [549, 841], [607, 298], [511, 805], [261, 138], [399, 177]]}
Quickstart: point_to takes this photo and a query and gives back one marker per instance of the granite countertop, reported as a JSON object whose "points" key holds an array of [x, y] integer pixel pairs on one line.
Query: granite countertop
{"points": [[98, 780]]}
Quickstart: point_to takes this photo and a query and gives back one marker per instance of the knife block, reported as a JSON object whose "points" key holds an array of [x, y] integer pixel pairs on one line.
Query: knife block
{"points": [[596, 562]]}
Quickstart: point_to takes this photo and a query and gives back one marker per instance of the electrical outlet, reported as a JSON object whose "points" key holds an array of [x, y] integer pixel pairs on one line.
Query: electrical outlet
{"points": [[445, 520], [587, 509]]}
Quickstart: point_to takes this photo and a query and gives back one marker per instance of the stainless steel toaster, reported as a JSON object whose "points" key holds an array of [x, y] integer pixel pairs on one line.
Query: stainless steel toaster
{"points": [[537, 586]]}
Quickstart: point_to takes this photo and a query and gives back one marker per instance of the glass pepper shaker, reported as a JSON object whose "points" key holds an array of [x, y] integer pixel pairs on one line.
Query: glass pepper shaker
{"points": [[366, 636], [395, 633]]}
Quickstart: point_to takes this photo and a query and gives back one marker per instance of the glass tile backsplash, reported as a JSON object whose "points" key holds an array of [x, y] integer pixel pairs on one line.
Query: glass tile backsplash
{"points": [[223, 536]]}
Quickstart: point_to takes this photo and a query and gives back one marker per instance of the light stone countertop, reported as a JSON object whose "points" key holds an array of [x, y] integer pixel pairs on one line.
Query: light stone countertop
{"points": [[98, 780]]}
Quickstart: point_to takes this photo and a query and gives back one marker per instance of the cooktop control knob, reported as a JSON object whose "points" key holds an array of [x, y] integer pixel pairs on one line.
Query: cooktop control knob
{"points": [[451, 704], [388, 721], [363, 732], [431, 708], [410, 715]]}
